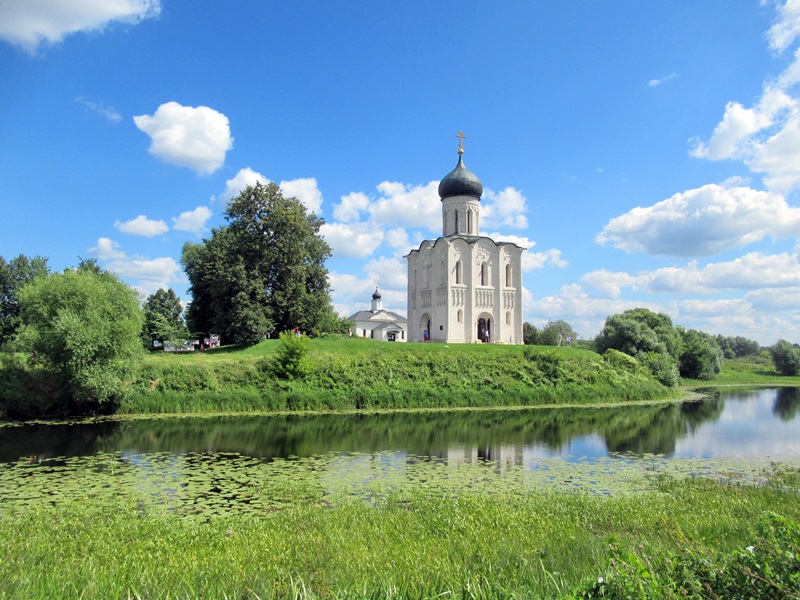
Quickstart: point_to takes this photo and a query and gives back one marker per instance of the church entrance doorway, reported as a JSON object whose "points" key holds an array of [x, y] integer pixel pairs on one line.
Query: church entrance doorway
{"points": [[484, 330], [425, 325]]}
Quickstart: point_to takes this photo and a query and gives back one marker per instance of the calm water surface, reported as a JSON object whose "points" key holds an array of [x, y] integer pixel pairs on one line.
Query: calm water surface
{"points": [[203, 464]]}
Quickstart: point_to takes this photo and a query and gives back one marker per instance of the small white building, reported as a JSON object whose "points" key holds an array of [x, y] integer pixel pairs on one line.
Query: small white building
{"points": [[464, 287], [379, 324]]}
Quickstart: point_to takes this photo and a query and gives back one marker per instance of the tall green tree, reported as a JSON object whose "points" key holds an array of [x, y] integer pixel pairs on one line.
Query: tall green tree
{"points": [[530, 335], [263, 272], [786, 358], [548, 336], [647, 336], [163, 318], [701, 356], [13, 275], [85, 327]]}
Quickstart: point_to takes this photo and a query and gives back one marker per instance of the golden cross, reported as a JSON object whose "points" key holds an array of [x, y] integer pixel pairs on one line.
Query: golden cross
{"points": [[460, 135]]}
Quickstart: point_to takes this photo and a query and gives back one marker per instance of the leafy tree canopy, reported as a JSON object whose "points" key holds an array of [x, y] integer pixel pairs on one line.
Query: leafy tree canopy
{"points": [[548, 336], [13, 275], [163, 318], [701, 356], [786, 358], [738, 346], [85, 327], [530, 335], [638, 331], [262, 272]]}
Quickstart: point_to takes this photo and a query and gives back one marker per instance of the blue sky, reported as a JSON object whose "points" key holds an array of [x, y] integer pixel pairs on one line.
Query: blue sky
{"points": [[646, 153]]}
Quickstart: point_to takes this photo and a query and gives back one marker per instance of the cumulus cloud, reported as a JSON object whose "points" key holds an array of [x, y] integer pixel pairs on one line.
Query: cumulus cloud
{"points": [[31, 24], [351, 240], [146, 275], [749, 272], [306, 191], [187, 136], [192, 220], [401, 205], [702, 222], [351, 207], [143, 226], [398, 239], [107, 249], [766, 135], [504, 209]]}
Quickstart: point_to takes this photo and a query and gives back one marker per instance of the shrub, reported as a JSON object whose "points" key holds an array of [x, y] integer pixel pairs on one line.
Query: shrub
{"points": [[701, 357], [291, 360], [786, 358]]}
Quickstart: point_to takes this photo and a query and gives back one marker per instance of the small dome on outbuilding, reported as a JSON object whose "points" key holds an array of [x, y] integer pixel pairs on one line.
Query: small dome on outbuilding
{"points": [[460, 182]]}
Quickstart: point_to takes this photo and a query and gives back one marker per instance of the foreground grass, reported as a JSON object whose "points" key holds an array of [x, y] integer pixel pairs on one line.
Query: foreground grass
{"points": [[473, 545], [356, 374]]}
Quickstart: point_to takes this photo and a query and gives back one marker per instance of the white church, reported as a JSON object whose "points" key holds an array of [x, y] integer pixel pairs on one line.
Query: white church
{"points": [[378, 323], [464, 287]]}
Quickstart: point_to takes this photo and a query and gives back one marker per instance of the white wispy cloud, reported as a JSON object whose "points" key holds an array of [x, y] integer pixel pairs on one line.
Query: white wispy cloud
{"points": [[194, 137], [143, 226], [662, 80], [306, 190], [32, 24], [702, 222], [108, 112]]}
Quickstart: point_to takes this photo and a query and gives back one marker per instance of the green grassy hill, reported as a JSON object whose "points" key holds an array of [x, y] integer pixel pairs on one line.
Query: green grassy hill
{"points": [[358, 374]]}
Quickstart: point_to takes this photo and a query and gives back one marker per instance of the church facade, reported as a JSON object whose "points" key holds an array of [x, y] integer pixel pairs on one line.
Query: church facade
{"points": [[464, 287]]}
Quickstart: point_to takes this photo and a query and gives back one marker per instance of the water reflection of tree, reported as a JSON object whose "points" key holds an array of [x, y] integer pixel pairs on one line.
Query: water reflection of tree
{"points": [[672, 422], [641, 429], [787, 403]]}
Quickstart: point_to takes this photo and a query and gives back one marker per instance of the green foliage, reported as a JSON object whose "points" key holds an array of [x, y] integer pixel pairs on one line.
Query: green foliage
{"points": [[786, 358], [620, 360], [263, 271], [530, 335], [645, 335], [163, 318], [291, 360], [85, 327], [548, 336], [13, 275], [701, 357], [738, 346], [768, 568], [662, 366]]}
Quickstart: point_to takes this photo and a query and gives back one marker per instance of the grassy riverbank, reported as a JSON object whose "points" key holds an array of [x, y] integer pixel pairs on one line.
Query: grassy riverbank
{"points": [[356, 374], [682, 534]]}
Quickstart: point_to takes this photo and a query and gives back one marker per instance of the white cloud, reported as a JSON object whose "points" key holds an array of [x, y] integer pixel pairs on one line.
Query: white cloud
{"points": [[107, 249], [749, 272], [539, 260], [357, 240], [187, 136], [702, 222], [306, 191], [351, 207], [31, 24], [657, 82], [765, 136], [398, 239], [392, 276], [240, 181], [787, 27], [192, 220], [504, 209], [146, 275], [108, 112], [143, 226], [402, 205]]}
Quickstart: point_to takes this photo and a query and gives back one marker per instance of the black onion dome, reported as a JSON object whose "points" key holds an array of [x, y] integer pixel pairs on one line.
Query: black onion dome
{"points": [[460, 182], [376, 295]]}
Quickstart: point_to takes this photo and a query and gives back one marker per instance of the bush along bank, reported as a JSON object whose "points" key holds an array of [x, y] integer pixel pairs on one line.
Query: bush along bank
{"points": [[413, 378]]}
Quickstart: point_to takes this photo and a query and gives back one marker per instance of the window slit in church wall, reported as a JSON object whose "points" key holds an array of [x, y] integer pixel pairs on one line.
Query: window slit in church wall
{"points": [[508, 275]]}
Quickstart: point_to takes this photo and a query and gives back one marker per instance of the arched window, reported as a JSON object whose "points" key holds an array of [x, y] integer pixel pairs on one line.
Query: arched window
{"points": [[508, 318], [484, 274], [508, 275], [460, 316], [458, 272], [456, 229], [469, 221]]}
